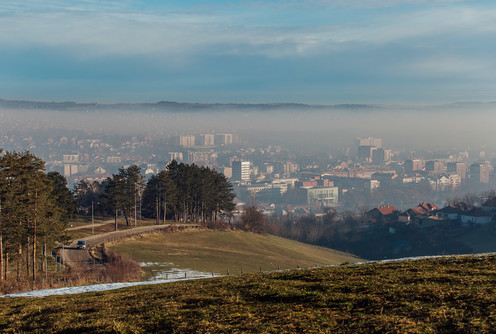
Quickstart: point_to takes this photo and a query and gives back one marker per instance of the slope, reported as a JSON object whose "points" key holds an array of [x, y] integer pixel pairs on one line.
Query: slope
{"points": [[451, 294], [223, 251]]}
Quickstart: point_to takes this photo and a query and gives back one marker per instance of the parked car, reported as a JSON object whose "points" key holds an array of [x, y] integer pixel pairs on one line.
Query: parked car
{"points": [[81, 244]]}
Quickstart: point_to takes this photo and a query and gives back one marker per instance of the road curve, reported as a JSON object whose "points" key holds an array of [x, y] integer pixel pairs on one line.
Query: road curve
{"points": [[80, 260]]}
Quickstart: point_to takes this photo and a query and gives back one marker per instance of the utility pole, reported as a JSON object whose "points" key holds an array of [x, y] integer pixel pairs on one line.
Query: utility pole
{"points": [[92, 219]]}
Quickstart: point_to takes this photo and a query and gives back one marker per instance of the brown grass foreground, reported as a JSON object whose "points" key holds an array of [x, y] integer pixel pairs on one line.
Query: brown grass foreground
{"points": [[455, 294]]}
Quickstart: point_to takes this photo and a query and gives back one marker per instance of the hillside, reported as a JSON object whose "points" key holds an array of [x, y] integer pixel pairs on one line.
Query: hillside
{"points": [[454, 294], [223, 251]]}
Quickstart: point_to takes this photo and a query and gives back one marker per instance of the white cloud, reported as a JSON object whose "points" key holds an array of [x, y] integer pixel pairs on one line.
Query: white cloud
{"points": [[101, 32]]}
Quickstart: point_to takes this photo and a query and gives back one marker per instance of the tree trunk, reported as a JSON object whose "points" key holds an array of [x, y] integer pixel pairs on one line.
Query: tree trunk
{"points": [[19, 260], [27, 258], [34, 253], [43, 263], [125, 216], [165, 209], [116, 219], [157, 219], [158, 210], [1, 258], [35, 222], [6, 270]]}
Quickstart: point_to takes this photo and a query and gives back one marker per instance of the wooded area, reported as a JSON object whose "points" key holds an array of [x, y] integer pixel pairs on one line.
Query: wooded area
{"points": [[181, 192], [35, 208]]}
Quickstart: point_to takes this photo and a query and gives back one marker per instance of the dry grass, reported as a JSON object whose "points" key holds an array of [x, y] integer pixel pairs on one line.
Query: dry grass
{"points": [[445, 295], [220, 251]]}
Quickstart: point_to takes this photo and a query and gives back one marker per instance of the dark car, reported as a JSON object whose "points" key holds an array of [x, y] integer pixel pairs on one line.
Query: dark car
{"points": [[81, 244]]}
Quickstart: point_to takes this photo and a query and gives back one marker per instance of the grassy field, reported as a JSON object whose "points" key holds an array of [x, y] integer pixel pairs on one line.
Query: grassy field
{"points": [[220, 251], [424, 296]]}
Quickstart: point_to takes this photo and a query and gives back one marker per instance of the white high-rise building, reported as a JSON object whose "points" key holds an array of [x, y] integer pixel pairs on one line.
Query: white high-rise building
{"points": [[207, 139], [241, 171]]}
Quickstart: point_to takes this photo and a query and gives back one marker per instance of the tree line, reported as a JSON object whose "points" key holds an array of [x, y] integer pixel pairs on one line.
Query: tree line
{"points": [[181, 192], [35, 208]]}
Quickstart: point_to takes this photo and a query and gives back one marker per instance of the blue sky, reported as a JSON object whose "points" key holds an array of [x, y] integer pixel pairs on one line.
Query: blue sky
{"points": [[315, 51]]}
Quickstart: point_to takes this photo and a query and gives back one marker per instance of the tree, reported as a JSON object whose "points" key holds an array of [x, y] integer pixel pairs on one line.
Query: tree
{"points": [[253, 220], [188, 192], [87, 194], [63, 196], [123, 191]]}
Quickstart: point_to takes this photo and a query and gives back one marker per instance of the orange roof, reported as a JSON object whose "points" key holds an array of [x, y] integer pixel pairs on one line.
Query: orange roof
{"points": [[429, 206], [419, 210], [386, 210]]}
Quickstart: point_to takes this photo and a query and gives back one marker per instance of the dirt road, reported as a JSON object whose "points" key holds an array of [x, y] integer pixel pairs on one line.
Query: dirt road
{"points": [[80, 260]]}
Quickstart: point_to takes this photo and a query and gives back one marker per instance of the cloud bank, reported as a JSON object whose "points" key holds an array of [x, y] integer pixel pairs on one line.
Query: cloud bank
{"points": [[300, 51]]}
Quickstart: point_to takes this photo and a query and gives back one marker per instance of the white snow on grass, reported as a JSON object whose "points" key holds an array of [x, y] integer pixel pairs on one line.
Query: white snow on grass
{"points": [[200, 275], [166, 270], [177, 273], [91, 288]]}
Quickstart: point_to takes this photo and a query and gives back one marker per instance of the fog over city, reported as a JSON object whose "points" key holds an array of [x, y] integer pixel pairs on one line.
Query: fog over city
{"points": [[455, 126]]}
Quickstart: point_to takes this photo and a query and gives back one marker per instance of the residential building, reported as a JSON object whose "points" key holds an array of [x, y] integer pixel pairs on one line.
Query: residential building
{"points": [[70, 158], [459, 168], [378, 156], [479, 173], [114, 160], [206, 139], [435, 166], [412, 165], [226, 139], [324, 196], [475, 216], [178, 156], [241, 171], [185, 140], [368, 141], [383, 214]]}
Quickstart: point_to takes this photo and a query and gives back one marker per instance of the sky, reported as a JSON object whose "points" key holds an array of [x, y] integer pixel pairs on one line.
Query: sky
{"points": [[253, 51]]}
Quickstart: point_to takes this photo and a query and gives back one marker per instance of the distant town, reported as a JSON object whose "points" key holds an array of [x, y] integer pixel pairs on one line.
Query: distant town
{"points": [[362, 175]]}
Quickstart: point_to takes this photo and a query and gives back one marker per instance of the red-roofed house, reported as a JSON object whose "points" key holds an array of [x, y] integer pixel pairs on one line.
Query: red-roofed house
{"points": [[475, 216], [422, 210], [454, 211], [383, 214]]}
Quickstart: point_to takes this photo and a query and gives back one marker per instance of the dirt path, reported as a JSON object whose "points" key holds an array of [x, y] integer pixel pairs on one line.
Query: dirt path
{"points": [[80, 260]]}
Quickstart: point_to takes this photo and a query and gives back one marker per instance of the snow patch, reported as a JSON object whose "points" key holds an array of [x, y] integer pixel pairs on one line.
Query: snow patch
{"points": [[177, 273], [90, 288]]}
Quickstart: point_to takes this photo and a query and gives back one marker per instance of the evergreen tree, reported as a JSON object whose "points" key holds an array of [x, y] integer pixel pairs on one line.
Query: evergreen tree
{"points": [[188, 192], [30, 210]]}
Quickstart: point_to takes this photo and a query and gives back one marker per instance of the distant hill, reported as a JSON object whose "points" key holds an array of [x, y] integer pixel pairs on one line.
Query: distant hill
{"points": [[447, 295], [171, 106]]}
